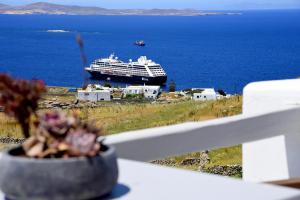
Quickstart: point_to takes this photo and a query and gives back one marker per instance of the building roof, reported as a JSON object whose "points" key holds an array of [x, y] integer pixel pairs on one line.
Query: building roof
{"points": [[94, 91], [143, 87], [205, 90]]}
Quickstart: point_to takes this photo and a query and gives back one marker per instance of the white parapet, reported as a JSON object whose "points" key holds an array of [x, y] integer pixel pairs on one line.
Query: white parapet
{"points": [[274, 158]]}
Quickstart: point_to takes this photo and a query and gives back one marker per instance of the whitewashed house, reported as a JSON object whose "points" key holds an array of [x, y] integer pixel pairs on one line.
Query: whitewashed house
{"points": [[133, 90], [149, 91], [206, 94], [94, 93], [219, 96]]}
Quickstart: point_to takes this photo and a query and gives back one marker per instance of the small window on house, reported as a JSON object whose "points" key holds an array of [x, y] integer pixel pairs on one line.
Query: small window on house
{"points": [[205, 97], [102, 99]]}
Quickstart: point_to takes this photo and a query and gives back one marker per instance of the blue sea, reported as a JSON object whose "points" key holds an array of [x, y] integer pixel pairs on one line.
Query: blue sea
{"points": [[224, 52]]}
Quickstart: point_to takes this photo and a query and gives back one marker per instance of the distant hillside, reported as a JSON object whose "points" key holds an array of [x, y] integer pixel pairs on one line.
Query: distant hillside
{"points": [[3, 6], [55, 9]]}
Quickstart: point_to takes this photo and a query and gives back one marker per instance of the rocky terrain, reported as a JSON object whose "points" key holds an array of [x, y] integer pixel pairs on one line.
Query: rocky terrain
{"points": [[201, 163], [225, 170], [54, 103], [56, 9]]}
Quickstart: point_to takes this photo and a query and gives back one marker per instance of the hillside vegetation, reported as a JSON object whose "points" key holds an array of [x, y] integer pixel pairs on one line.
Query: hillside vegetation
{"points": [[116, 117]]}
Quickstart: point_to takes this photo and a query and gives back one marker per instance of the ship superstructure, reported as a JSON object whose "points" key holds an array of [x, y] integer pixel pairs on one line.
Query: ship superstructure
{"points": [[142, 70]]}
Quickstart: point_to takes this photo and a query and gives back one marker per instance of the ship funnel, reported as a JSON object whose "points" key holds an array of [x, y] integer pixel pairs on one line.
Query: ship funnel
{"points": [[112, 55]]}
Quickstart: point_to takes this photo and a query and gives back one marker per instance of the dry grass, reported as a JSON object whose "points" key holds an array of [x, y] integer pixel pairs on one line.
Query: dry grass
{"points": [[115, 118], [9, 127], [119, 118], [218, 157], [57, 90]]}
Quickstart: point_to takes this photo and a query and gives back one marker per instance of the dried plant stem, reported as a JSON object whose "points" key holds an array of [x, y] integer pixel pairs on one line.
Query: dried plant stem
{"points": [[83, 59], [25, 128]]}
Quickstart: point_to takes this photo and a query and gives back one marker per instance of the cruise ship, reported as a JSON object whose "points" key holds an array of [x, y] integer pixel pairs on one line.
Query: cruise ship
{"points": [[141, 71]]}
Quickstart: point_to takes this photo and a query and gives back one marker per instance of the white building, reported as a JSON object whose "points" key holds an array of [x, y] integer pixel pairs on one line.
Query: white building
{"points": [[219, 96], [150, 92], [206, 94], [94, 93], [133, 90]]}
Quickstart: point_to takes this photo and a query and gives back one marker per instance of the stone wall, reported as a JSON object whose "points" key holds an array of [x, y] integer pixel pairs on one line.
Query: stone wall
{"points": [[225, 170]]}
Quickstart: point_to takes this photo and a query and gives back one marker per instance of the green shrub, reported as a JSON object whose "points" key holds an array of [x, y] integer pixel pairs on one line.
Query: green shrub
{"points": [[106, 84], [172, 86], [134, 96]]}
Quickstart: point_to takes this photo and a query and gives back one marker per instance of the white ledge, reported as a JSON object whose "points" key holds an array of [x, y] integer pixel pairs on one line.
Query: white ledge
{"points": [[154, 143]]}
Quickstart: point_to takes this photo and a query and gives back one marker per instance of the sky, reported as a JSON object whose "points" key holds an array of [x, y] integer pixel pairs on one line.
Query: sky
{"points": [[179, 4]]}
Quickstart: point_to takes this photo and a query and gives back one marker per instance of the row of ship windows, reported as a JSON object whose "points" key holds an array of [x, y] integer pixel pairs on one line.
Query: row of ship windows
{"points": [[121, 73], [125, 65], [120, 69], [156, 70], [127, 72], [133, 71]]}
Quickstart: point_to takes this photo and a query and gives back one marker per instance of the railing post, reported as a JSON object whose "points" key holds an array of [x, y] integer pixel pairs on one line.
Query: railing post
{"points": [[279, 157]]}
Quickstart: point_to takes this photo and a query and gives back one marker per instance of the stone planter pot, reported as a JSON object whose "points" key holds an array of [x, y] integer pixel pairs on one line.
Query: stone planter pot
{"points": [[69, 179]]}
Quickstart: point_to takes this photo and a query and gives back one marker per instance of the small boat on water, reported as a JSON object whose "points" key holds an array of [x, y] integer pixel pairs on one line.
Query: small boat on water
{"points": [[140, 43], [57, 31]]}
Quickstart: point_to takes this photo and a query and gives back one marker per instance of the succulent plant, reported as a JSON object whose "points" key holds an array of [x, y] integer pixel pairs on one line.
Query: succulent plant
{"points": [[19, 98], [54, 134], [59, 135]]}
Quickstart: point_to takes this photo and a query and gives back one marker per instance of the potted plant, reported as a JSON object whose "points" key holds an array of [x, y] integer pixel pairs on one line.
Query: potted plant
{"points": [[62, 157]]}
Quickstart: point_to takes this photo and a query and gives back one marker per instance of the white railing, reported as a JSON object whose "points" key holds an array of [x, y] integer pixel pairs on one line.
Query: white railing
{"points": [[155, 143], [280, 118]]}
